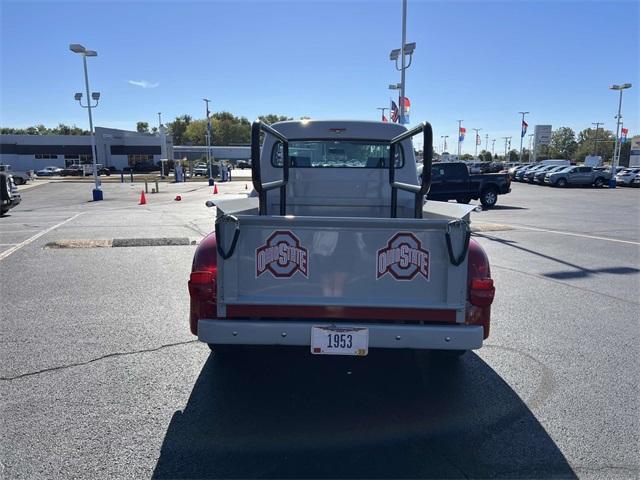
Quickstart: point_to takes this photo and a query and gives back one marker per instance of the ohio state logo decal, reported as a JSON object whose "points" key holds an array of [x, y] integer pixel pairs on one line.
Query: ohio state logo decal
{"points": [[282, 256], [403, 258]]}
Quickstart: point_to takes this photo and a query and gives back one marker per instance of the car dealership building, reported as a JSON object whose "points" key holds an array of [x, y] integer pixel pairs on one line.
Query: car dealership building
{"points": [[115, 148]]}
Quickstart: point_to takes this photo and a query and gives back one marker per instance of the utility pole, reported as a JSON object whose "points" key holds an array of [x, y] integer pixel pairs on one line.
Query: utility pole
{"points": [[530, 148], [476, 139], [383, 109], [505, 147], [486, 142], [208, 137], [493, 146], [595, 139], [522, 132], [459, 138]]}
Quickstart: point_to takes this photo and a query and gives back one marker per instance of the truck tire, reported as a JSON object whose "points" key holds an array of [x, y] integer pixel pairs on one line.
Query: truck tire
{"points": [[599, 182], [226, 353], [19, 180], [5, 188], [562, 182], [489, 197], [448, 356]]}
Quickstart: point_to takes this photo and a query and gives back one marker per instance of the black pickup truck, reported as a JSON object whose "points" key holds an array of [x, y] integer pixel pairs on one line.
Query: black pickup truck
{"points": [[452, 181]]}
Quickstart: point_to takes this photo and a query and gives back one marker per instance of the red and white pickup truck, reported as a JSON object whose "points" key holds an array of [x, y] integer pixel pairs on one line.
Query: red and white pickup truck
{"points": [[337, 250]]}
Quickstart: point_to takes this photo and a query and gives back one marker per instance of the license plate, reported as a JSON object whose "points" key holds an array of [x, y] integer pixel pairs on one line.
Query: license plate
{"points": [[334, 340]]}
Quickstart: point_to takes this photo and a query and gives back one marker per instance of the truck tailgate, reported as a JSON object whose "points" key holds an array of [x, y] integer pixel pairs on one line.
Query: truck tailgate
{"points": [[308, 266]]}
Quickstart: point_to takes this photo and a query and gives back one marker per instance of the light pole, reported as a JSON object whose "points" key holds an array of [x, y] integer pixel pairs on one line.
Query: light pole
{"points": [[77, 48], [486, 142], [522, 132], [595, 138], [406, 49], [493, 146], [529, 160], [476, 140], [616, 148], [208, 137], [444, 137], [459, 138], [382, 110]]}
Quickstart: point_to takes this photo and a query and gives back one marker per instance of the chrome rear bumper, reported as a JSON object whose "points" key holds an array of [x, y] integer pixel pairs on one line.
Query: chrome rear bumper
{"points": [[252, 332]]}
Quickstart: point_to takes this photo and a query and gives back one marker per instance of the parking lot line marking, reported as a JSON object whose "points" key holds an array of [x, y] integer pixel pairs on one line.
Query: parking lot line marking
{"points": [[572, 234], [17, 247]]}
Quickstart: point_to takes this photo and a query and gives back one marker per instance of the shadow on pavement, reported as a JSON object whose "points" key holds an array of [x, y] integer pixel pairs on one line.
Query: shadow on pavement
{"points": [[577, 271], [285, 413], [506, 207]]}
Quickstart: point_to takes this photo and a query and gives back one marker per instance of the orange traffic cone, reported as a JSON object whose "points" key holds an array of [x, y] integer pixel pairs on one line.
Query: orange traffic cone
{"points": [[178, 198], [245, 187], [215, 189], [143, 200]]}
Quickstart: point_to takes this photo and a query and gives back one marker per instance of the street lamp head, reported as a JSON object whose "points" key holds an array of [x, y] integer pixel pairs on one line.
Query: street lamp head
{"points": [[394, 86], [77, 48], [90, 53], [78, 96], [395, 53], [95, 95], [624, 86], [409, 48]]}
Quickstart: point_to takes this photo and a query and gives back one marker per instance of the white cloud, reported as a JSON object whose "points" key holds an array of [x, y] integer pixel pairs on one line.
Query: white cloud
{"points": [[144, 83]]}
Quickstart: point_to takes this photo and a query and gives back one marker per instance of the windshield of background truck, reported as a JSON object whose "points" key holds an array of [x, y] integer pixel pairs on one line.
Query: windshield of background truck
{"points": [[337, 154]]}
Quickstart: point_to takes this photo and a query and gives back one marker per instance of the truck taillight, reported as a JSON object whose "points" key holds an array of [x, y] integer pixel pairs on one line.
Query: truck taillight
{"points": [[202, 290], [202, 283], [482, 292], [481, 288]]}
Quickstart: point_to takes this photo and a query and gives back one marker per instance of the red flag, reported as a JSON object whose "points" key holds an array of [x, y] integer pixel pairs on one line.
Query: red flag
{"points": [[384, 119], [407, 105]]}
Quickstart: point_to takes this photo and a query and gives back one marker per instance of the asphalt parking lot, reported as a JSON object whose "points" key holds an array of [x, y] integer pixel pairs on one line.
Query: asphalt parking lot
{"points": [[100, 377]]}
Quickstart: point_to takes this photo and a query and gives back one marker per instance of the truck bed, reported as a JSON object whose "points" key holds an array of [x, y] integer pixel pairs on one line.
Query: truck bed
{"points": [[333, 267]]}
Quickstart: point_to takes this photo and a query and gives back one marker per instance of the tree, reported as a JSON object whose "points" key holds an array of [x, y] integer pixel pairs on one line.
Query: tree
{"points": [[484, 156], [586, 139], [563, 143], [513, 155], [142, 127], [178, 127], [271, 118]]}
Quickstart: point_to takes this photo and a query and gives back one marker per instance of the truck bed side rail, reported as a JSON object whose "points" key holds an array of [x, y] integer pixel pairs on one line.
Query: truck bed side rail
{"points": [[419, 190], [256, 177]]}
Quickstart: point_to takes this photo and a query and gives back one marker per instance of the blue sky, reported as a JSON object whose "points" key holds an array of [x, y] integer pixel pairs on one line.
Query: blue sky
{"points": [[479, 61]]}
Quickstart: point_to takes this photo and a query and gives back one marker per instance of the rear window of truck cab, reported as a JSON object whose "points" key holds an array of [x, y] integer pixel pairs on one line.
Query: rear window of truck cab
{"points": [[337, 154]]}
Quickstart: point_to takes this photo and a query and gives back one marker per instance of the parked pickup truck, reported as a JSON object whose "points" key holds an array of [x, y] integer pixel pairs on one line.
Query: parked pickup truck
{"points": [[337, 251], [9, 196], [19, 178], [585, 176], [452, 181]]}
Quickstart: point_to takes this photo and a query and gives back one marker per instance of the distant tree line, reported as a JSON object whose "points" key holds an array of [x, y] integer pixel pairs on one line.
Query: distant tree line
{"points": [[229, 129], [61, 129]]}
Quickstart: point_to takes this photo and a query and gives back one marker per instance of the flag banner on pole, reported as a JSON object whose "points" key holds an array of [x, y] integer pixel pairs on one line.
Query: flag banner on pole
{"points": [[524, 129], [461, 134], [623, 137], [407, 105], [478, 141], [384, 119], [394, 112], [404, 119]]}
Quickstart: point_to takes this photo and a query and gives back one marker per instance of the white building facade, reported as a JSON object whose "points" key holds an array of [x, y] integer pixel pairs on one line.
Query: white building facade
{"points": [[115, 148]]}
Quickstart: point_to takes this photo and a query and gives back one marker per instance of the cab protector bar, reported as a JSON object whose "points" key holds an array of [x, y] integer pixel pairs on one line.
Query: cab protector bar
{"points": [[427, 160], [256, 177]]}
